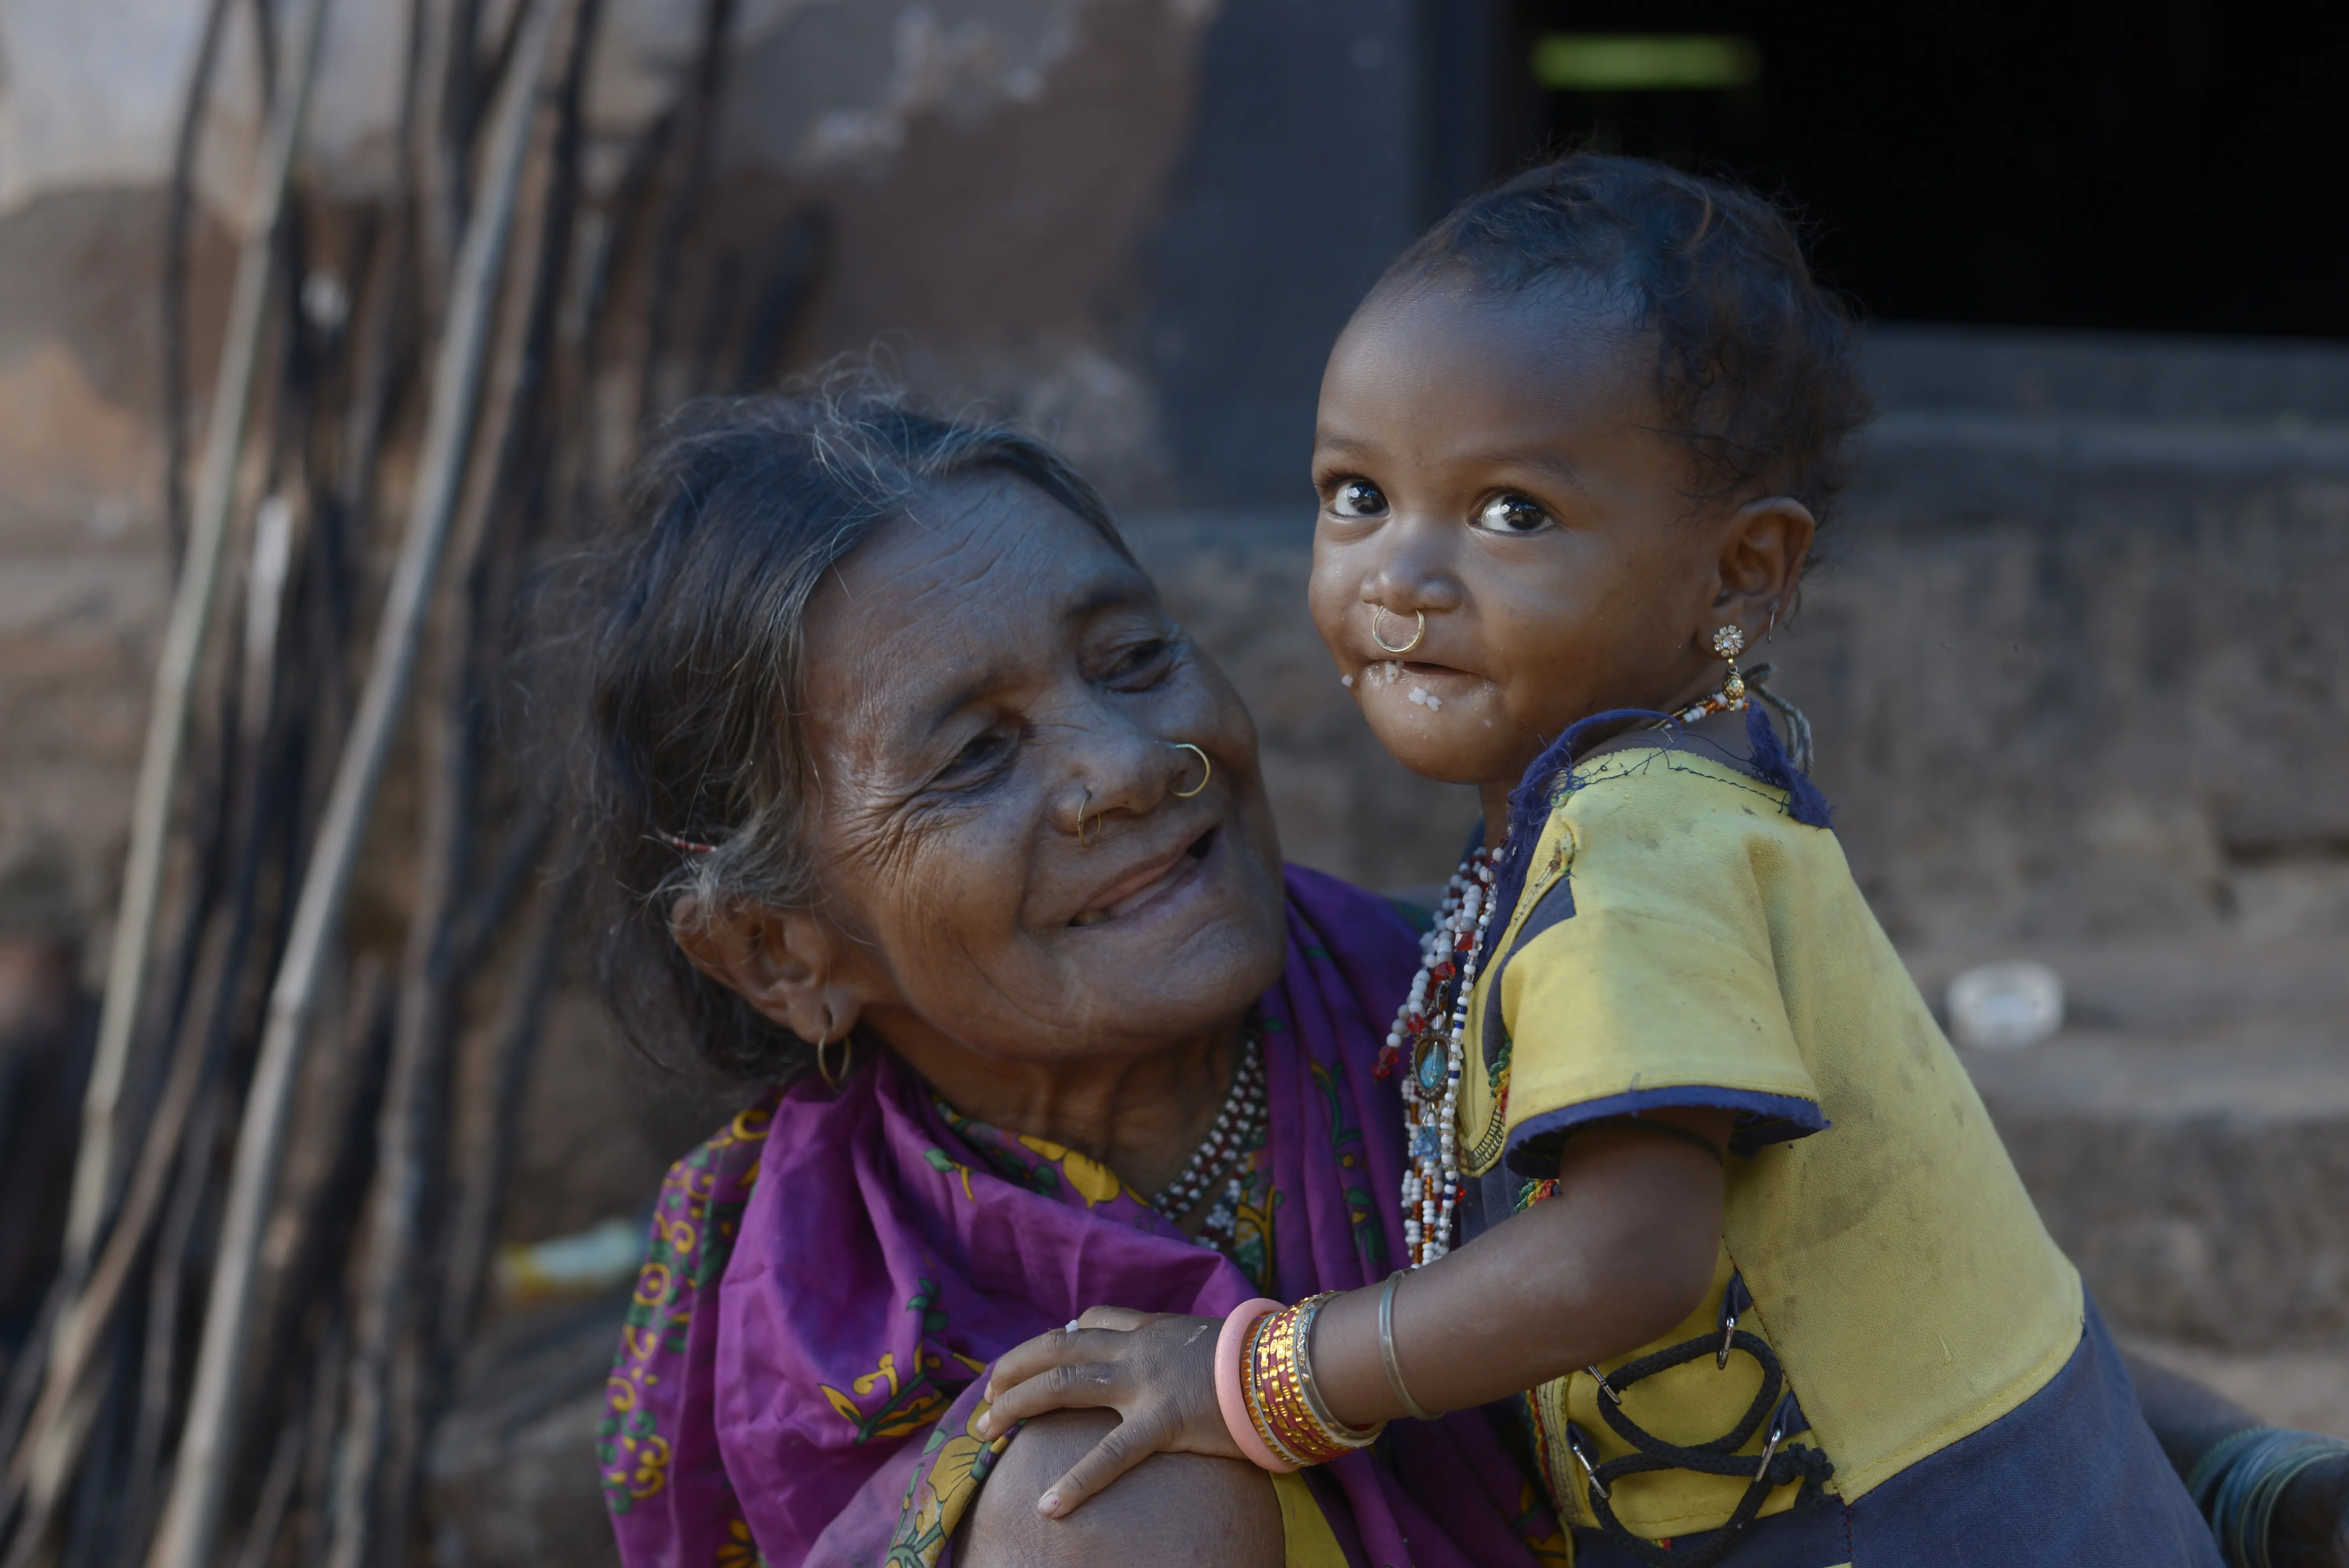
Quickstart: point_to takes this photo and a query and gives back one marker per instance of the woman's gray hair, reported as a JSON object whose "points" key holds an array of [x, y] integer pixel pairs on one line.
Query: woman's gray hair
{"points": [[697, 778]]}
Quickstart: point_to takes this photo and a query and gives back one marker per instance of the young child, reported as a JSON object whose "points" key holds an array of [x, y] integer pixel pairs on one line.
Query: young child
{"points": [[1695, 1177]]}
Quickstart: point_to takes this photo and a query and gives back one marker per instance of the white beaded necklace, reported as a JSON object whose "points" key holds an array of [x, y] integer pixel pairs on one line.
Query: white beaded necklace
{"points": [[1430, 1033]]}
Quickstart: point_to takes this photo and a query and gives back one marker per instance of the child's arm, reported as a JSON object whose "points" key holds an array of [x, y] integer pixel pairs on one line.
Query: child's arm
{"points": [[1619, 1257]]}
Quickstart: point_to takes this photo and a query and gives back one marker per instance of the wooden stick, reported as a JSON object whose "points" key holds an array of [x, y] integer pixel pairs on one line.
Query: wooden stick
{"points": [[701, 119], [46, 1455], [178, 219], [276, 1496], [391, 1383], [488, 1158], [50, 1445], [207, 1446], [167, 1283], [183, 639]]}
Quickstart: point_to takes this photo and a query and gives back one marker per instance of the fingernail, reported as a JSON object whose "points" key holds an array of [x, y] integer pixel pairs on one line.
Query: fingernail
{"points": [[980, 1426], [1049, 1505]]}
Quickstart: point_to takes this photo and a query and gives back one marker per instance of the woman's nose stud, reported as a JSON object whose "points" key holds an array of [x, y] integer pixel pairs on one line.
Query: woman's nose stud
{"points": [[1378, 614], [1082, 806]]}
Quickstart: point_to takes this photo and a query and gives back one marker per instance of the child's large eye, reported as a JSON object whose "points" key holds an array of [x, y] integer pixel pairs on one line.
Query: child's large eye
{"points": [[1512, 514], [1358, 498]]}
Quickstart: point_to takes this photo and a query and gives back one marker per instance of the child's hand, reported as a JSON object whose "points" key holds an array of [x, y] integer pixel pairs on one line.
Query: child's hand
{"points": [[1157, 1370]]}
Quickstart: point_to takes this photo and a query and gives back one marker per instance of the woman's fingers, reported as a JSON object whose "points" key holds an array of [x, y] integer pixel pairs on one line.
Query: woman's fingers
{"points": [[1127, 1444]]}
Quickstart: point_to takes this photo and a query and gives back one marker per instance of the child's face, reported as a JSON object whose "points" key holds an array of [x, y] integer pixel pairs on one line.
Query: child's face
{"points": [[1501, 466]]}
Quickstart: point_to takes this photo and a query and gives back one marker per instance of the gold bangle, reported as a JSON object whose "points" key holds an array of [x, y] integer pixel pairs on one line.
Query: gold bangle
{"points": [[1283, 1404], [1256, 1396]]}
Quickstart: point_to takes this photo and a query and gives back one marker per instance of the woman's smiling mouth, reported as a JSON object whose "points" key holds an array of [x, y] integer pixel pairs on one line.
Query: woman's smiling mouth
{"points": [[1148, 883]]}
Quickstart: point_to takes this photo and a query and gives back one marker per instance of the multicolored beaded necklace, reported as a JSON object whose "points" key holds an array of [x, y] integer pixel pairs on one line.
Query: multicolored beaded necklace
{"points": [[1431, 1025]]}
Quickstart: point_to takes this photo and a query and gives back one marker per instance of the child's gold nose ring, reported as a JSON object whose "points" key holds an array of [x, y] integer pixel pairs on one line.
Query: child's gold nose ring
{"points": [[1378, 613]]}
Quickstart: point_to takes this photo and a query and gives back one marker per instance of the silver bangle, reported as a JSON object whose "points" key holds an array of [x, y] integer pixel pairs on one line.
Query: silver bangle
{"points": [[1387, 1351], [1332, 1428]]}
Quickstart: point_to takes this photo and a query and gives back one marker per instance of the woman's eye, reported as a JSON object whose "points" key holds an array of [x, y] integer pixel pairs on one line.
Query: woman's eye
{"points": [[1142, 659], [1512, 514], [977, 753], [1358, 498]]}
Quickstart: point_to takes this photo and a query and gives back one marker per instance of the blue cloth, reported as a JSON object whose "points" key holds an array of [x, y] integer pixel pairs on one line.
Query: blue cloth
{"points": [[2071, 1479]]}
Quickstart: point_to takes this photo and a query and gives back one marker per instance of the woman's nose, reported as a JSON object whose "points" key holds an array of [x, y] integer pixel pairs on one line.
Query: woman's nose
{"points": [[1119, 776]]}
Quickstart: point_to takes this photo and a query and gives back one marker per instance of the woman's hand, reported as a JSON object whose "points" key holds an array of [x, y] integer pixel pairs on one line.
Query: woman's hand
{"points": [[1157, 1370]]}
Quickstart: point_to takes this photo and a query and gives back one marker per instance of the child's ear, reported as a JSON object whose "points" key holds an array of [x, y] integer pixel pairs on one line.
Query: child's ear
{"points": [[784, 962], [1761, 557]]}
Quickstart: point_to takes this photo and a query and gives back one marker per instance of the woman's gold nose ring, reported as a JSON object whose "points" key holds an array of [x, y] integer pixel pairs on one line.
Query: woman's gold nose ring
{"points": [[1378, 613], [1206, 770]]}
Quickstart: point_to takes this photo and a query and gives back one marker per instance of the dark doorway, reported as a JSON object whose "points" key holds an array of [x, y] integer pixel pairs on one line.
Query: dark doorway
{"points": [[2172, 165]]}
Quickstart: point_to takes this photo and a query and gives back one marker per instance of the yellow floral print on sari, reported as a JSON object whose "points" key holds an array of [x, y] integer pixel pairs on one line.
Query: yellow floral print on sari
{"points": [[955, 1463]]}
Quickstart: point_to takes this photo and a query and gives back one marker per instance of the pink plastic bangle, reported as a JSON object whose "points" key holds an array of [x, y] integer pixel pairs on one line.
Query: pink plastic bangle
{"points": [[1227, 1385]]}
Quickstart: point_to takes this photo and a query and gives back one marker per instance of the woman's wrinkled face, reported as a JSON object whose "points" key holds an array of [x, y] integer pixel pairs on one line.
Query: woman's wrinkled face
{"points": [[994, 701]]}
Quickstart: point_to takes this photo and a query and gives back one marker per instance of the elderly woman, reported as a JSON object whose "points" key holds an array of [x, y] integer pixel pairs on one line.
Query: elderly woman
{"points": [[923, 811]]}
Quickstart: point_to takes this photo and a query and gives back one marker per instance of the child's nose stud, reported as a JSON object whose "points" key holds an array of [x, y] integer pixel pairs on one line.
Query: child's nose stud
{"points": [[1378, 613]]}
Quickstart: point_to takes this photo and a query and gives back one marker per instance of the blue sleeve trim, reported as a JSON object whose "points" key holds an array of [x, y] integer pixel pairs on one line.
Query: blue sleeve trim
{"points": [[1803, 801], [1762, 1119]]}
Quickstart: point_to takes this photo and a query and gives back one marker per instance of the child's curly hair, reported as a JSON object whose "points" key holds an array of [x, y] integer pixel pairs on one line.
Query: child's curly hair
{"points": [[1756, 363]]}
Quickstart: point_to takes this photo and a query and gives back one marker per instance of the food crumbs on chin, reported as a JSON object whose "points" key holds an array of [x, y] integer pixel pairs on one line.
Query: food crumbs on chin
{"points": [[1425, 698], [1345, 680]]}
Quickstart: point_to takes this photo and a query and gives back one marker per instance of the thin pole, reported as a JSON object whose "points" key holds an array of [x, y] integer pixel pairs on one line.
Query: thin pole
{"points": [[207, 1447], [183, 640]]}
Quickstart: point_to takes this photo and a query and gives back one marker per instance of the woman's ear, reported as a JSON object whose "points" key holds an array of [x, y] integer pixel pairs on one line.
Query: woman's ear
{"points": [[1761, 559], [784, 962]]}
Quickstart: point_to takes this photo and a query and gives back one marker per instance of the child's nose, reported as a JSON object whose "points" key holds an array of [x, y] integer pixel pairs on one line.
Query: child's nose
{"points": [[1416, 573]]}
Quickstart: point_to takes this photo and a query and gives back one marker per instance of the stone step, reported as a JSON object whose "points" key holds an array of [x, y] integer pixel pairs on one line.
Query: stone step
{"points": [[2187, 1136]]}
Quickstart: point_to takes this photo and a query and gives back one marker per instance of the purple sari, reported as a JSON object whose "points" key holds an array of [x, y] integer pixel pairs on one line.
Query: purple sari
{"points": [[829, 1278]]}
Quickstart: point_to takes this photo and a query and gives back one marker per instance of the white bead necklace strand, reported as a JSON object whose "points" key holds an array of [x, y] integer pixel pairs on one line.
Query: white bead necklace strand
{"points": [[1434, 1016]]}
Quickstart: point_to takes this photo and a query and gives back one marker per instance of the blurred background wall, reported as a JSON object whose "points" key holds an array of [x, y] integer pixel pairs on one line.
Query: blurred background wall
{"points": [[2076, 658]]}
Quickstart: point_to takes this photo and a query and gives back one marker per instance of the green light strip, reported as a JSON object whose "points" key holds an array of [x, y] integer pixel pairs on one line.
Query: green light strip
{"points": [[1644, 62]]}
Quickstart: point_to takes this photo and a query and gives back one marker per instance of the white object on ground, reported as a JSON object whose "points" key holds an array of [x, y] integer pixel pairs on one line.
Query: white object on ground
{"points": [[2005, 1006], [584, 1263]]}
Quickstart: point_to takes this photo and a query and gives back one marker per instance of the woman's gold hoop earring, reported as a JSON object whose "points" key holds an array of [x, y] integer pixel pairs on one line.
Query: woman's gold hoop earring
{"points": [[823, 1062], [1207, 768], [1417, 630], [1083, 842]]}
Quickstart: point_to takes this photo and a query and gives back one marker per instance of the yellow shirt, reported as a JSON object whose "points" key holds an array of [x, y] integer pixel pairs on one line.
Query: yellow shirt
{"points": [[1694, 944]]}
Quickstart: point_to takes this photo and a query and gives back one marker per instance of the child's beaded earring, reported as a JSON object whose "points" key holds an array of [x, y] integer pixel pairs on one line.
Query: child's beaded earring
{"points": [[1729, 641]]}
